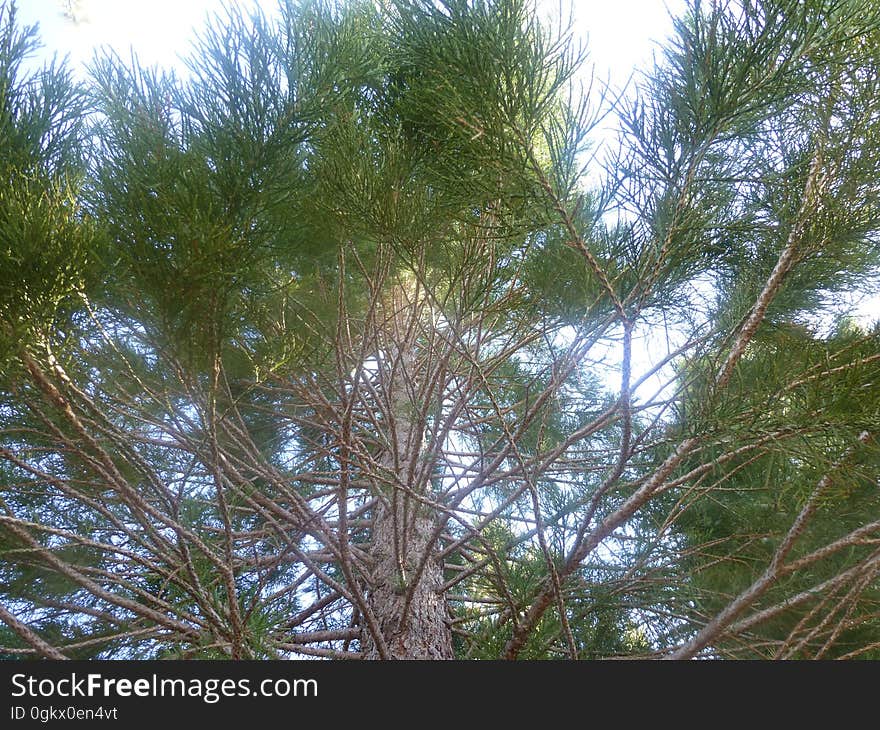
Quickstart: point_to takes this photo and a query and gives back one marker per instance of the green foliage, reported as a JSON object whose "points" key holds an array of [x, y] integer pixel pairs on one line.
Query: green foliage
{"points": [[344, 292], [47, 247], [791, 384]]}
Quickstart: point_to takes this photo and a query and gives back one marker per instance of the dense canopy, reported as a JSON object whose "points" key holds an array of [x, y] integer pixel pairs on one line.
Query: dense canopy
{"points": [[353, 345]]}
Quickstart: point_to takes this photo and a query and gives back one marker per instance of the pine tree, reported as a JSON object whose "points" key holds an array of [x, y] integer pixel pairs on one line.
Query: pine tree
{"points": [[328, 349]]}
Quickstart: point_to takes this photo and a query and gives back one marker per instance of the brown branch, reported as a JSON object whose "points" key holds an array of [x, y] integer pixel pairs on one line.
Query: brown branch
{"points": [[23, 630]]}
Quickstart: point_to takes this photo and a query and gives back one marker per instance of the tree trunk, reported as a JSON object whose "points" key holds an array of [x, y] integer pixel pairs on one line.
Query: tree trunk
{"points": [[411, 614], [420, 630]]}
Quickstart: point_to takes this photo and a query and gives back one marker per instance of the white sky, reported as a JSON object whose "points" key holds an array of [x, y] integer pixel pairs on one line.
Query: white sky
{"points": [[620, 32]]}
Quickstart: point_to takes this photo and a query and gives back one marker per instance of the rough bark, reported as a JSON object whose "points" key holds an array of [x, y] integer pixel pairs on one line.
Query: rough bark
{"points": [[405, 597], [419, 630]]}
